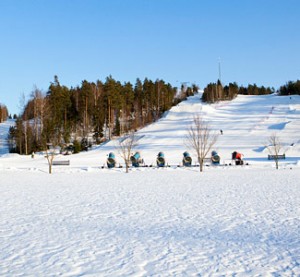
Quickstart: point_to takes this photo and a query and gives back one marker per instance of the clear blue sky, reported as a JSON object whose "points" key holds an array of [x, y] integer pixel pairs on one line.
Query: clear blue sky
{"points": [[258, 41]]}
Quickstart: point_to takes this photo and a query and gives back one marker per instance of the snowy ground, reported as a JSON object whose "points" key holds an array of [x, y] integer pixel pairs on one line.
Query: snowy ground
{"points": [[86, 221], [171, 222]]}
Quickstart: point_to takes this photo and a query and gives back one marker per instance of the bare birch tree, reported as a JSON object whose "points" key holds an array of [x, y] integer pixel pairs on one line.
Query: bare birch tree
{"points": [[22, 106], [50, 155], [125, 146], [274, 147], [200, 139], [51, 142], [38, 106]]}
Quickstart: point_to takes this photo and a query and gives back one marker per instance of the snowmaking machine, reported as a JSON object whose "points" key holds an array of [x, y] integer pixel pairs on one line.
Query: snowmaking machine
{"points": [[187, 159], [111, 160], [237, 157], [136, 159], [160, 160], [215, 158]]}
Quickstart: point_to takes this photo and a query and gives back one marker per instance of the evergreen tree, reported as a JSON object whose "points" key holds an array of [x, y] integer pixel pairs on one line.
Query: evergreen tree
{"points": [[290, 88], [58, 104], [65, 115], [139, 103]]}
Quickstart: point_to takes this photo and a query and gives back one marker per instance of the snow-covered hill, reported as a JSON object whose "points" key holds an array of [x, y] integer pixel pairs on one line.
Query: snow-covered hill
{"points": [[226, 221], [4, 129], [247, 123]]}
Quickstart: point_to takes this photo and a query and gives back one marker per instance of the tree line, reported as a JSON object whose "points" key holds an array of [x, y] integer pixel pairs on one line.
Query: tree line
{"points": [[95, 111], [90, 113], [290, 88], [214, 92]]}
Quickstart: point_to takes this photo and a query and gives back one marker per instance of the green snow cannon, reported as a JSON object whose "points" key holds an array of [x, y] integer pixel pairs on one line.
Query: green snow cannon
{"points": [[215, 158], [187, 159], [160, 160], [111, 160], [136, 159]]}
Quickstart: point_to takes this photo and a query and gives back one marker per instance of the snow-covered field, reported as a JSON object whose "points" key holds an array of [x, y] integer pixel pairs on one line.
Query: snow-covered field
{"points": [[87, 221], [171, 222]]}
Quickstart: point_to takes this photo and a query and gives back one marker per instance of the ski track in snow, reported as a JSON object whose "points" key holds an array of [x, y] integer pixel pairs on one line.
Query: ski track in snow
{"points": [[171, 223]]}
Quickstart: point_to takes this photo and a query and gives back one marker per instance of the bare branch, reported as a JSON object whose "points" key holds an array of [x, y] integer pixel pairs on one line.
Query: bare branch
{"points": [[200, 139], [125, 146], [274, 147]]}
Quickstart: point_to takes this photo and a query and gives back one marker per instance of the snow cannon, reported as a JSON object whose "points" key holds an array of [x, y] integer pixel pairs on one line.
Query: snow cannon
{"points": [[187, 159], [111, 160], [237, 157], [215, 158], [160, 160], [136, 159]]}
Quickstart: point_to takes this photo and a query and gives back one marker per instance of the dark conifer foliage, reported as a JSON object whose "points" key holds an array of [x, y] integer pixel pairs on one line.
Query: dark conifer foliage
{"points": [[91, 112], [290, 88], [216, 92]]}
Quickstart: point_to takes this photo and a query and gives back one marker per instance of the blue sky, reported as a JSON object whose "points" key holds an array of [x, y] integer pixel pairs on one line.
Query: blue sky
{"points": [[178, 41]]}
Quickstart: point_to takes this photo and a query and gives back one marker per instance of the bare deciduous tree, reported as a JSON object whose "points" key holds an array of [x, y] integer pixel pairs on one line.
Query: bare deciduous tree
{"points": [[274, 147], [51, 149], [38, 110], [125, 146], [200, 139], [22, 105], [50, 155]]}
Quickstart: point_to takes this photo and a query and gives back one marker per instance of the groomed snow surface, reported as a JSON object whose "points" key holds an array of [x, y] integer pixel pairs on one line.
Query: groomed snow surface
{"points": [[232, 221]]}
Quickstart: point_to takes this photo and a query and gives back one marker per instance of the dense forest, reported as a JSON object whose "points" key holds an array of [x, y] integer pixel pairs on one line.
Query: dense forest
{"points": [[3, 113], [91, 113], [214, 92]]}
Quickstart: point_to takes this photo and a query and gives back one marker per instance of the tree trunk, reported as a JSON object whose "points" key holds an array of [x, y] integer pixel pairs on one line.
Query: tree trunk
{"points": [[26, 140], [201, 161], [201, 166], [109, 120]]}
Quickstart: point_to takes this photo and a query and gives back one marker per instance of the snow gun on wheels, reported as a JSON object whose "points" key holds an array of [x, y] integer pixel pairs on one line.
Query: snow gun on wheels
{"points": [[160, 160], [237, 157], [136, 159], [187, 159], [111, 160], [215, 158]]}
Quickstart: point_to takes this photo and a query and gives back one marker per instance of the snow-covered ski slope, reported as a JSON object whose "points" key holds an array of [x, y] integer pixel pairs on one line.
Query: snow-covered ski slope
{"points": [[4, 129], [227, 221], [247, 123]]}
